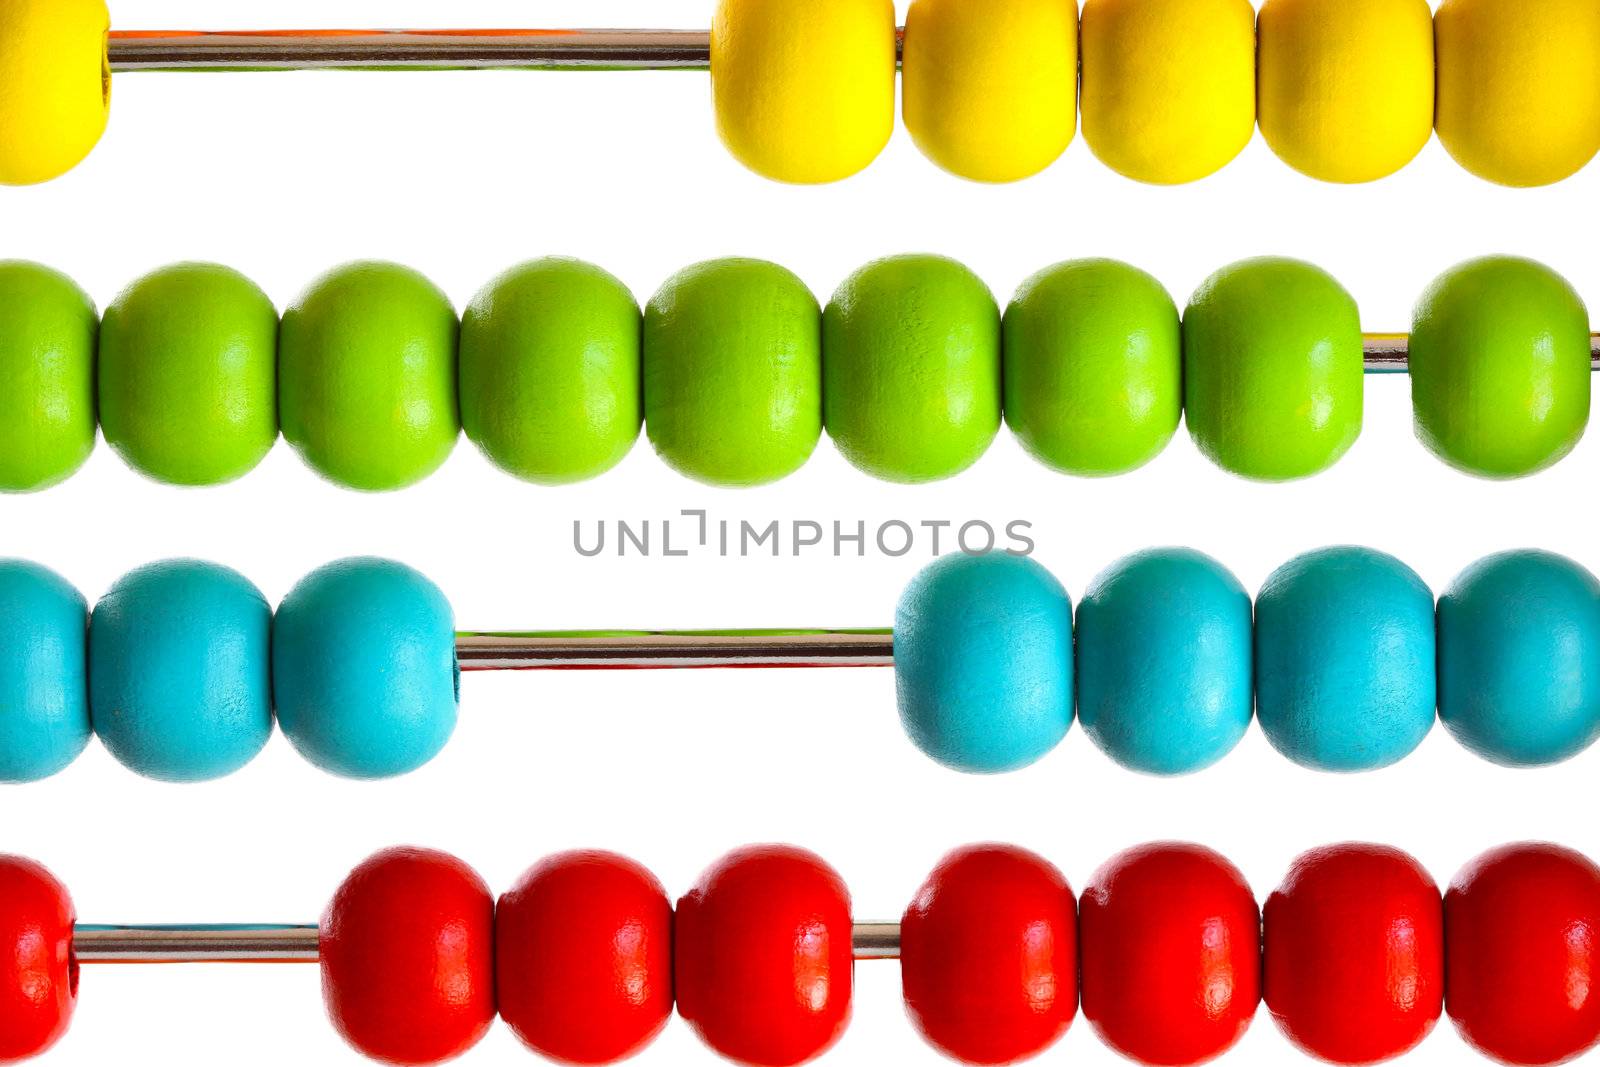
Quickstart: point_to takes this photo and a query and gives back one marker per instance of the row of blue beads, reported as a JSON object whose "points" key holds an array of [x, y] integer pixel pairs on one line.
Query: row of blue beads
{"points": [[182, 667], [1345, 661]]}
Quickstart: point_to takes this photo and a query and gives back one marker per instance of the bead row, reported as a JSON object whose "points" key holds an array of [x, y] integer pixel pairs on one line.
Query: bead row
{"points": [[1345, 659], [1356, 954], [1171, 90], [735, 370]]}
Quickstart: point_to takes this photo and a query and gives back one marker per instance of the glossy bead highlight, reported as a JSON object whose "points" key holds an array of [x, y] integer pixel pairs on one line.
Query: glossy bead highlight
{"points": [[764, 960], [989, 955], [407, 953], [1353, 950], [1522, 953], [1170, 950], [583, 957], [38, 974]]}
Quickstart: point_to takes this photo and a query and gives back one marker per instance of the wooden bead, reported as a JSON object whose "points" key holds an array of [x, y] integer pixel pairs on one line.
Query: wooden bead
{"points": [[911, 382], [47, 354], [804, 89], [189, 374], [1345, 87], [983, 662], [1499, 360], [1354, 953], [1164, 661], [583, 957], [1519, 658], [733, 372], [44, 688], [407, 952], [180, 671], [1272, 369], [364, 668], [1344, 656], [763, 956], [55, 86], [1519, 87], [991, 92], [1093, 367], [1170, 952], [38, 974], [367, 376], [1169, 86], [1522, 953], [549, 374], [989, 955]]}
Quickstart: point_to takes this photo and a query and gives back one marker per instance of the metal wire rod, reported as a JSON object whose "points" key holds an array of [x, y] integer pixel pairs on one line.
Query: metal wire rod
{"points": [[1389, 353], [559, 650], [276, 943], [410, 50]]}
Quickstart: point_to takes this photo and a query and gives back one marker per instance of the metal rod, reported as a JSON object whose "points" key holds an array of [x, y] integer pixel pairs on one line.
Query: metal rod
{"points": [[1389, 353], [647, 650], [195, 944], [410, 49], [270, 943]]}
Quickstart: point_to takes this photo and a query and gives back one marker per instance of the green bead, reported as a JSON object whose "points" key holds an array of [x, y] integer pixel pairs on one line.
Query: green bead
{"points": [[1500, 367], [1093, 367], [189, 374], [47, 346], [1273, 369], [550, 371], [733, 372], [911, 378], [367, 376]]}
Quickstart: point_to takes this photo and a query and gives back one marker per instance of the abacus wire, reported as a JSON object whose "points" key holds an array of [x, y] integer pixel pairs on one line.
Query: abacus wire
{"points": [[670, 649], [299, 943]]}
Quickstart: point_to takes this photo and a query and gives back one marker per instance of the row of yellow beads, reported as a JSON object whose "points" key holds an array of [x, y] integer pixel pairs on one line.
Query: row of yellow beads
{"points": [[1171, 90]]}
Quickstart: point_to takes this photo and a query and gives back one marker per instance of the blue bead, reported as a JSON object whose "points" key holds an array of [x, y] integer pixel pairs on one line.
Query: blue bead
{"points": [[1164, 679], [179, 674], [1519, 658], [1345, 659], [983, 662], [364, 666], [44, 695]]}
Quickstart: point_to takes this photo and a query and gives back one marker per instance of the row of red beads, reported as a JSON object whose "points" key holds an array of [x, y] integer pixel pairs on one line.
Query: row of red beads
{"points": [[1356, 957]]}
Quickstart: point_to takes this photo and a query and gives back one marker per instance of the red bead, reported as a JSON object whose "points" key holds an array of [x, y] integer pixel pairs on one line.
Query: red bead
{"points": [[1169, 941], [408, 957], [38, 974], [989, 955], [1354, 953], [764, 956], [583, 957], [1522, 953]]}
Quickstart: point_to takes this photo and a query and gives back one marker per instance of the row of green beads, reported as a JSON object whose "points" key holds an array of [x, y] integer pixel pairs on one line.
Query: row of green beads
{"points": [[735, 370]]}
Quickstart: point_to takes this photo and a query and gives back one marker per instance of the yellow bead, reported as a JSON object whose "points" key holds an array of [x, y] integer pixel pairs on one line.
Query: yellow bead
{"points": [[991, 86], [1169, 86], [1519, 87], [1346, 86], [55, 86], [804, 89]]}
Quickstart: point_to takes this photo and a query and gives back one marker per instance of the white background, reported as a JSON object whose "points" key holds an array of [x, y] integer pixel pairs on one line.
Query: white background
{"points": [[462, 175]]}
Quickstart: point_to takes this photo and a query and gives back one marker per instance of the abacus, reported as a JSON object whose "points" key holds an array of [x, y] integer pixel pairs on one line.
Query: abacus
{"points": [[804, 90], [1355, 954], [1344, 660], [735, 370]]}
